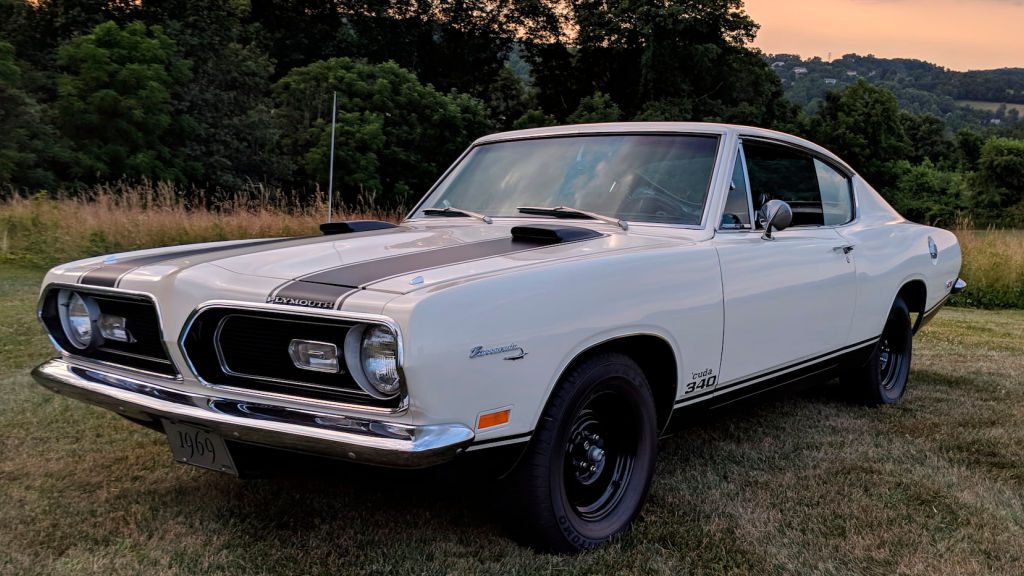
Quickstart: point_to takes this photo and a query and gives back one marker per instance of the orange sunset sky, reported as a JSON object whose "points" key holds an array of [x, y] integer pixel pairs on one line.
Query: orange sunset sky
{"points": [[957, 34]]}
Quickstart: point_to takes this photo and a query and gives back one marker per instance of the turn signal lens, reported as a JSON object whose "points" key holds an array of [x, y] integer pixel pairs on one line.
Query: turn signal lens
{"points": [[493, 419], [315, 356], [114, 328]]}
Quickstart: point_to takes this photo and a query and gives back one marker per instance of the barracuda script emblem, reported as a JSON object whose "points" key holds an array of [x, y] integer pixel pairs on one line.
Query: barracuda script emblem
{"points": [[308, 303], [514, 351]]}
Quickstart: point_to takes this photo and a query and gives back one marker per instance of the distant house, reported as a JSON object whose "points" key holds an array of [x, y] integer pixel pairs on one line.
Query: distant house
{"points": [[778, 64], [830, 81], [995, 121], [852, 73], [799, 70]]}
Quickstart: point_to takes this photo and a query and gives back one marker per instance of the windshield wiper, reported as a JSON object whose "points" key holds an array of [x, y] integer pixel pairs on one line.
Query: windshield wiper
{"points": [[567, 212], [453, 211]]}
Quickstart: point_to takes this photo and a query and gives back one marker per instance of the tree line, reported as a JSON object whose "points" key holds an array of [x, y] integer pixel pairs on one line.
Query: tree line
{"points": [[219, 95]]}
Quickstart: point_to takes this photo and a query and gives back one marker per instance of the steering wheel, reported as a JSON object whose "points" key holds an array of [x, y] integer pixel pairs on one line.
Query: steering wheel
{"points": [[648, 198]]}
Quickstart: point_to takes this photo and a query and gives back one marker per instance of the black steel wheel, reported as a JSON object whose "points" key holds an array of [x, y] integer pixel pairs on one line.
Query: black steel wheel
{"points": [[586, 474], [882, 378]]}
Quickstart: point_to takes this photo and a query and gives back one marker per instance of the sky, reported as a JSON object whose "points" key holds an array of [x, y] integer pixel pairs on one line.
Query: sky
{"points": [[957, 34]]}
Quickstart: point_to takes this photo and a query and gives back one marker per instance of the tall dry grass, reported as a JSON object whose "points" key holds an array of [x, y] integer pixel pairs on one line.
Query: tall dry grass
{"points": [[117, 218], [993, 268]]}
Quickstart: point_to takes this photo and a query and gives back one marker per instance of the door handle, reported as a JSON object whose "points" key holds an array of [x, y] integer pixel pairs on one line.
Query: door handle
{"points": [[844, 249]]}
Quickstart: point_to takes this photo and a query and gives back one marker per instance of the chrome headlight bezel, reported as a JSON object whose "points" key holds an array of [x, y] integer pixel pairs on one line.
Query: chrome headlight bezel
{"points": [[356, 359], [70, 305]]}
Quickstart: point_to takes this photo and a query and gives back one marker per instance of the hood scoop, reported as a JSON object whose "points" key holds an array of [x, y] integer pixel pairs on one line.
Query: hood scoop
{"points": [[329, 228], [552, 233]]}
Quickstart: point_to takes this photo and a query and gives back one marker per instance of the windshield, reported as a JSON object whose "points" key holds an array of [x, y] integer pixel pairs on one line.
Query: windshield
{"points": [[642, 178]]}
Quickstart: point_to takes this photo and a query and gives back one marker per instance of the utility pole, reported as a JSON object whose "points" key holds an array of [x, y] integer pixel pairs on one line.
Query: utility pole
{"points": [[330, 175]]}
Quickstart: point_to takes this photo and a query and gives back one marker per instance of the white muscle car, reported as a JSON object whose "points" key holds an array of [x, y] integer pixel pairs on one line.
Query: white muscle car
{"points": [[558, 297]]}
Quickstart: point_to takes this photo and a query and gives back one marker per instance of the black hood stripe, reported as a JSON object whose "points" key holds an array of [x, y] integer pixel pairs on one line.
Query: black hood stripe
{"points": [[331, 285], [363, 273], [109, 275]]}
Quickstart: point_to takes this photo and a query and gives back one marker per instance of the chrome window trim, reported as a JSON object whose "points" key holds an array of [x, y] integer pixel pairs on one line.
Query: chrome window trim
{"points": [[86, 289], [720, 139], [742, 159], [746, 182], [357, 317]]}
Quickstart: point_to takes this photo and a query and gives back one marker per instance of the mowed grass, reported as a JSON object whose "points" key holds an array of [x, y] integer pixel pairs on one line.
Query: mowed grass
{"points": [[806, 484], [990, 106]]}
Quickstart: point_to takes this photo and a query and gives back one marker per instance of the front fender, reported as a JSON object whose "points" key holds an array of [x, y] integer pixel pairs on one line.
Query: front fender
{"points": [[554, 313]]}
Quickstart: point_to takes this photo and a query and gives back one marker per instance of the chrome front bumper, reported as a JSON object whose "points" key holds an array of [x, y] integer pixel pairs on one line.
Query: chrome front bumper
{"points": [[356, 439]]}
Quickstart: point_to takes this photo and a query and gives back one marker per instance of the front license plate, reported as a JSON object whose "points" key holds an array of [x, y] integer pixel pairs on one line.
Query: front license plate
{"points": [[198, 447]]}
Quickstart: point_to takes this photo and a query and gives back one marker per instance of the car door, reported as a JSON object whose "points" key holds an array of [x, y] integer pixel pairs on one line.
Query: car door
{"points": [[788, 301]]}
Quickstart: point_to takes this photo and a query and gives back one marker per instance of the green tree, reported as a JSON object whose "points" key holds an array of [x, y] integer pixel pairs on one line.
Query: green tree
{"points": [[968, 148], [230, 135], [507, 98], [115, 104], [927, 194], [533, 118], [29, 143], [862, 125], [597, 107], [396, 135], [645, 51], [1000, 179], [926, 135]]}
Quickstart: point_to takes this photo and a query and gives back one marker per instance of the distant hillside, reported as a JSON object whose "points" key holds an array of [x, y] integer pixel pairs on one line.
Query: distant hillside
{"points": [[961, 98]]}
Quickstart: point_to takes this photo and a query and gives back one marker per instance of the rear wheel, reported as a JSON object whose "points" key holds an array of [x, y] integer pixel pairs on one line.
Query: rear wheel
{"points": [[587, 472], [882, 379]]}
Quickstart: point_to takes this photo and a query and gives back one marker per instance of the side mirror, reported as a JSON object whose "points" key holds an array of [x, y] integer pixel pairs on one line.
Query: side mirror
{"points": [[774, 215]]}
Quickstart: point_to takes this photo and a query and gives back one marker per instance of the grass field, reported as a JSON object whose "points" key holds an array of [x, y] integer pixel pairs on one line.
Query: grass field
{"points": [[804, 485], [989, 106]]}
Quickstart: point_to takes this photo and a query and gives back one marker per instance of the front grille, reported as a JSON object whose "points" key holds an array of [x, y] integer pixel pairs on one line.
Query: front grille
{"points": [[145, 352], [249, 350]]}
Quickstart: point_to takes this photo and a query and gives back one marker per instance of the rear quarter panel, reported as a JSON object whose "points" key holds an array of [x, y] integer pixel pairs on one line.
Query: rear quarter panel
{"points": [[890, 252]]}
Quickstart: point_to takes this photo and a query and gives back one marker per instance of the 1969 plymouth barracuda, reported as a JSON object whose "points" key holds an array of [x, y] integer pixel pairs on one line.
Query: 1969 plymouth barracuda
{"points": [[560, 296]]}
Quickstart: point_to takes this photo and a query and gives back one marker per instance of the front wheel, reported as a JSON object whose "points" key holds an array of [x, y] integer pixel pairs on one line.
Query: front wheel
{"points": [[882, 379], [587, 472]]}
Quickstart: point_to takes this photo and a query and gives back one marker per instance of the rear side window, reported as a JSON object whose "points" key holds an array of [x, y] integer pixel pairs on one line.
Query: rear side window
{"points": [[836, 195], [818, 194]]}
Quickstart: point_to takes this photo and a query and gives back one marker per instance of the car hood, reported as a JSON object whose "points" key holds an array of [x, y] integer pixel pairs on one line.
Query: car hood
{"points": [[321, 271]]}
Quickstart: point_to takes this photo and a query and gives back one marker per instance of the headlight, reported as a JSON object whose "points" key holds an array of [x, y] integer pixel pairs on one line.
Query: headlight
{"points": [[371, 353], [78, 316]]}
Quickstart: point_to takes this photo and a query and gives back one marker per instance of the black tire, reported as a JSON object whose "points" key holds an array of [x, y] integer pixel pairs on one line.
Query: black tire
{"points": [[882, 378], [571, 496]]}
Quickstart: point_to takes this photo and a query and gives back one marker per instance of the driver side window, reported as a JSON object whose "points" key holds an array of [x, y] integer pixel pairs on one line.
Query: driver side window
{"points": [[818, 194]]}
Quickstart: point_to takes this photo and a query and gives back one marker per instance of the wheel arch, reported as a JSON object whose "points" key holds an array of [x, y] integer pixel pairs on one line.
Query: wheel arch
{"points": [[655, 356], [914, 293]]}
